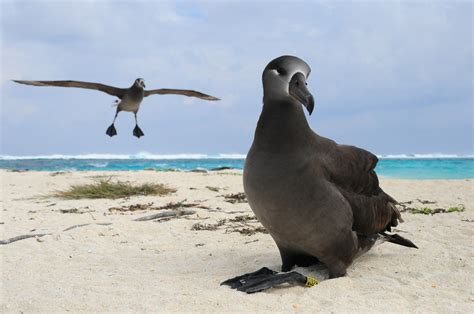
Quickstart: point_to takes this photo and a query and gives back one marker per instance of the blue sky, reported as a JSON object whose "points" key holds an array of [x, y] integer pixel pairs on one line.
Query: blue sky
{"points": [[391, 77]]}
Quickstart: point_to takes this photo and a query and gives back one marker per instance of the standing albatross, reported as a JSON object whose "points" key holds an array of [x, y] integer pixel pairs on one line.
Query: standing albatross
{"points": [[130, 98], [320, 201]]}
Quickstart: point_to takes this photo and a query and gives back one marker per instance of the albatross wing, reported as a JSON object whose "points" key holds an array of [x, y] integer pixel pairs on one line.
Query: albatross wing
{"points": [[351, 169], [114, 91], [184, 92]]}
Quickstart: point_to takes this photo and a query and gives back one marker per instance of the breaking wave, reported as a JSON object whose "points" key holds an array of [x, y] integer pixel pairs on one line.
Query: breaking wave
{"points": [[150, 156], [141, 155]]}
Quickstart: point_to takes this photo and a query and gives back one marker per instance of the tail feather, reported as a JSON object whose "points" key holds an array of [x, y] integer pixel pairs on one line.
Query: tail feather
{"points": [[395, 238]]}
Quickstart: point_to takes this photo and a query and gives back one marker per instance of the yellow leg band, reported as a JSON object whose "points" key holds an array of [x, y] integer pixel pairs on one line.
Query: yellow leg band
{"points": [[310, 281]]}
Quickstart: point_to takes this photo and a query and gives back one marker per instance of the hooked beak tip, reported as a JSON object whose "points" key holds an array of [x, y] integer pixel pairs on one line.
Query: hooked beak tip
{"points": [[310, 104]]}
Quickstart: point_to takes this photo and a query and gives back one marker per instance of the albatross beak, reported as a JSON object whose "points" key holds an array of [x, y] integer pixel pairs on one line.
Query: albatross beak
{"points": [[299, 91]]}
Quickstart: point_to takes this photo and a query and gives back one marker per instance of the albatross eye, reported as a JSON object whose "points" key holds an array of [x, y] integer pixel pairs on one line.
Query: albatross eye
{"points": [[281, 71]]}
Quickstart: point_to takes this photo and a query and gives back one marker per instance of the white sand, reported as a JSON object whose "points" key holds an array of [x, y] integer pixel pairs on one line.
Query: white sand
{"points": [[165, 266]]}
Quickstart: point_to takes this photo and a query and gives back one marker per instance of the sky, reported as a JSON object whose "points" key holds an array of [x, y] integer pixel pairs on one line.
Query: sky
{"points": [[391, 77]]}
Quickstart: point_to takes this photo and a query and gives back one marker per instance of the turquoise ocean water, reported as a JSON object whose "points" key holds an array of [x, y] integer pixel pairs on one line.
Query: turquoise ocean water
{"points": [[403, 167]]}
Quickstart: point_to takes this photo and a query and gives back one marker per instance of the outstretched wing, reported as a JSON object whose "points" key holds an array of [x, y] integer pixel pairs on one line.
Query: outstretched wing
{"points": [[351, 169], [184, 92], [114, 91]]}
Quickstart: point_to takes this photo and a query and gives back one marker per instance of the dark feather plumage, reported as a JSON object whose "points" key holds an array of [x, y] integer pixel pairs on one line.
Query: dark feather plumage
{"points": [[352, 170], [183, 92], [114, 91]]}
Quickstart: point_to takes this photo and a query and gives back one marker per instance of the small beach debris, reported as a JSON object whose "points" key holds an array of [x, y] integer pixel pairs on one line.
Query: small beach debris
{"points": [[53, 174], [199, 170], [424, 202], [235, 198], [177, 205], [208, 227], [252, 241], [432, 211], [149, 206], [83, 225], [212, 188], [69, 211], [19, 170], [131, 208], [167, 214], [244, 224], [250, 231], [75, 210], [221, 168], [22, 237], [39, 235]]}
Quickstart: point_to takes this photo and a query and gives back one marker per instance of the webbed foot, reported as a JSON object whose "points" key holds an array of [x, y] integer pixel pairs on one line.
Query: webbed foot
{"points": [[138, 132], [111, 131], [266, 278]]}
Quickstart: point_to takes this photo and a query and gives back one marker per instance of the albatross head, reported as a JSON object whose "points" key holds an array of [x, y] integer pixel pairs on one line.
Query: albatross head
{"points": [[284, 79], [140, 83]]}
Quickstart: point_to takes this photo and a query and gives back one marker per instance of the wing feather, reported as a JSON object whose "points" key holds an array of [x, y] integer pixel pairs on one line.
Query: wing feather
{"points": [[114, 91], [351, 169], [184, 92]]}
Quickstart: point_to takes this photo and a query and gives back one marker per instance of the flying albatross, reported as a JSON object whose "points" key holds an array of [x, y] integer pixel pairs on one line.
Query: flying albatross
{"points": [[130, 98], [320, 201]]}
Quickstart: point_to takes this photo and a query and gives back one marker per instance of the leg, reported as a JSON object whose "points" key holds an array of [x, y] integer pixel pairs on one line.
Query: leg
{"points": [[290, 259], [111, 131], [137, 131], [340, 253]]}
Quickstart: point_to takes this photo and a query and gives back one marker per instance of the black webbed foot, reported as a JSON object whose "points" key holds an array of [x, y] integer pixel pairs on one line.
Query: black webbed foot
{"points": [[265, 278], [240, 280], [138, 132], [111, 131]]}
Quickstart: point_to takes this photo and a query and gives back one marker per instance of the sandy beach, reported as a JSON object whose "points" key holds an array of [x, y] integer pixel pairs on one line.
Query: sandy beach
{"points": [[109, 262]]}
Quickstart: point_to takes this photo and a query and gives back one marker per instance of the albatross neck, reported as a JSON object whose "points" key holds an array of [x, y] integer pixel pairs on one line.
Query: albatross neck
{"points": [[282, 125]]}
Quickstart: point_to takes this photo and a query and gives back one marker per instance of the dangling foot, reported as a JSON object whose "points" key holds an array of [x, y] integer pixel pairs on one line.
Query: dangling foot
{"points": [[265, 278], [137, 131], [111, 131]]}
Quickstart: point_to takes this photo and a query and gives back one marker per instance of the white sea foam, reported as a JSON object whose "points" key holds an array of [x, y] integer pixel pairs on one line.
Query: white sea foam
{"points": [[98, 164], [140, 155], [151, 156], [423, 156]]}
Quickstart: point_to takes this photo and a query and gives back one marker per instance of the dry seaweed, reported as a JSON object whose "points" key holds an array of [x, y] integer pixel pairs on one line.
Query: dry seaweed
{"points": [[244, 224], [131, 208], [235, 198]]}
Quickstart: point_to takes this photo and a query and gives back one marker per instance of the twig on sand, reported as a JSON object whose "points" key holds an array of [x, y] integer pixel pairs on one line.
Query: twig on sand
{"points": [[22, 237], [167, 214], [83, 225], [39, 235]]}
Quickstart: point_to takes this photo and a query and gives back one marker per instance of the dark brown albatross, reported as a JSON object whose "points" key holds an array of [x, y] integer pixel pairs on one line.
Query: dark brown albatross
{"points": [[130, 98], [320, 201]]}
